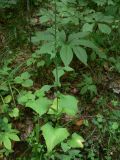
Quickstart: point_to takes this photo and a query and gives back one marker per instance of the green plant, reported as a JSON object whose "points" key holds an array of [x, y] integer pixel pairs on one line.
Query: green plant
{"points": [[24, 80], [43, 43], [87, 86], [7, 134], [42, 105]]}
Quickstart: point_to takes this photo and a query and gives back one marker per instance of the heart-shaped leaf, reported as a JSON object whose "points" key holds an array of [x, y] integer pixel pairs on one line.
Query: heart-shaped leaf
{"points": [[27, 83], [76, 141], [8, 99], [68, 104], [14, 112], [64, 104], [40, 105], [53, 136], [41, 92]]}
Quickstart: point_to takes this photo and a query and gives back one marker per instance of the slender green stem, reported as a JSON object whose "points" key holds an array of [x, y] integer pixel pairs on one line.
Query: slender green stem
{"points": [[37, 129], [56, 57], [12, 93], [2, 99]]}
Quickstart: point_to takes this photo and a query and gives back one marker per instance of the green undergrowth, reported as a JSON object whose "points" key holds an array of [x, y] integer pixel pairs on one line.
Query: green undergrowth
{"points": [[59, 80]]}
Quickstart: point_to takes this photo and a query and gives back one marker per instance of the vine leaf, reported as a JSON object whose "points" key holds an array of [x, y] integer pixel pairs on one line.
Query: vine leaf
{"points": [[66, 104], [40, 105], [76, 141], [41, 92], [53, 136]]}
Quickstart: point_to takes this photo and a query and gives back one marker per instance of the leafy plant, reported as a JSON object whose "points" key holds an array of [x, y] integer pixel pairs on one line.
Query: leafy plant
{"points": [[24, 80], [53, 136], [53, 42], [87, 86], [7, 134]]}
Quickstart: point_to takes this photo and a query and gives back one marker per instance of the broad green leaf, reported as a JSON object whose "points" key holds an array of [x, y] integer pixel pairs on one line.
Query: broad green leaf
{"points": [[27, 83], [76, 141], [13, 137], [25, 75], [18, 80], [40, 106], [62, 36], [81, 54], [55, 108], [47, 48], [8, 99], [104, 28], [68, 104], [87, 27], [64, 104], [66, 54], [53, 136], [41, 92], [14, 113], [23, 98], [87, 43], [58, 73], [7, 142], [78, 35]]}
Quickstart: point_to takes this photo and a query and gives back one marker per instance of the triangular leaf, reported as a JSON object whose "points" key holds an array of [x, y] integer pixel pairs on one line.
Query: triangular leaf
{"points": [[68, 104], [64, 104], [53, 136], [41, 92], [40, 106], [76, 141]]}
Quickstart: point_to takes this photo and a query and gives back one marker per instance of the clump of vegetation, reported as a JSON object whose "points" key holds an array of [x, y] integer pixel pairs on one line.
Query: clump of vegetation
{"points": [[59, 80]]}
